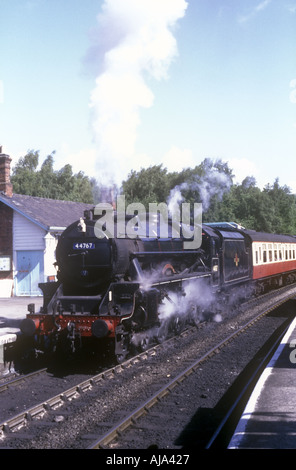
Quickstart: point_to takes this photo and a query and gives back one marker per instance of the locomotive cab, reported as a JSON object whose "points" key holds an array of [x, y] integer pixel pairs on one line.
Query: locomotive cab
{"points": [[234, 253]]}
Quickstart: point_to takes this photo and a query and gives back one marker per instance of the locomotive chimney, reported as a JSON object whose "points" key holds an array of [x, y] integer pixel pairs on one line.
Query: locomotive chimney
{"points": [[5, 184]]}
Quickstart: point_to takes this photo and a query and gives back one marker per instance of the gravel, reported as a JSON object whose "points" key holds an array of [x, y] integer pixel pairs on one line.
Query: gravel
{"points": [[185, 419]]}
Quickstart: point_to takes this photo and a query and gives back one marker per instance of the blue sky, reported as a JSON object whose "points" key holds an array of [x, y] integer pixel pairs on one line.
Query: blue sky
{"points": [[117, 85]]}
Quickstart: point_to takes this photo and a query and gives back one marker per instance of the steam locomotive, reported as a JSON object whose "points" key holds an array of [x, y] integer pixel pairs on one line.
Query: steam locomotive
{"points": [[112, 292]]}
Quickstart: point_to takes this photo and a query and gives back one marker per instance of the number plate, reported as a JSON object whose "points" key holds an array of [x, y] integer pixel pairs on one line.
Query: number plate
{"points": [[84, 246]]}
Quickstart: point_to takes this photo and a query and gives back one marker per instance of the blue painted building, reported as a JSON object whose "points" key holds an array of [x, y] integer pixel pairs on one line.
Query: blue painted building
{"points": [[29, 231]]}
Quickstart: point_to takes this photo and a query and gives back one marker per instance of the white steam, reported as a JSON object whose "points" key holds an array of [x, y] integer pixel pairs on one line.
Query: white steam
{"points": [[197, 298], [195, 304], [175, 199], [211, 184], [135, 44]]}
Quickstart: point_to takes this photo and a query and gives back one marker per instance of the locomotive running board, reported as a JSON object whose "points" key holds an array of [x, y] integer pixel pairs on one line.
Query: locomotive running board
{"points": [[145, 280], [180, 278]]}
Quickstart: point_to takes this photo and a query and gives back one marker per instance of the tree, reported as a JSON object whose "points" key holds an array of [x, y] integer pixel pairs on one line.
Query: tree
{"points": [[24, 177], [147, 185], [272, 209], [248, 206], [48, 183], [281, 208]]}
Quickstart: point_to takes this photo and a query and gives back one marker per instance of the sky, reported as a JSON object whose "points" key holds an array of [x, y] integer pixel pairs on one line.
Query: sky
{"points": [[118, 85]]}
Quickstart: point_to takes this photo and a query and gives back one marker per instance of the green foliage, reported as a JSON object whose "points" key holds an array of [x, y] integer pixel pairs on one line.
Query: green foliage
{"points": [[145, 186], [272, 209], [48, 183]]}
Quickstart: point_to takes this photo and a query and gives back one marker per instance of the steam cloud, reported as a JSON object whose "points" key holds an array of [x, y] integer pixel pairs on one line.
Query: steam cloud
{"points": [[135, 44], [196, 304], [212, 183]]}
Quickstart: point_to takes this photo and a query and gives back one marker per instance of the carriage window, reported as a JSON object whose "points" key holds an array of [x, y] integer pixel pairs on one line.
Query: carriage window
{"points": [[293, 252], [264, 254], [275, 252], [257, 253], [290, 252], [282, 253], [260, 254], [286, 249], [269, 252]]}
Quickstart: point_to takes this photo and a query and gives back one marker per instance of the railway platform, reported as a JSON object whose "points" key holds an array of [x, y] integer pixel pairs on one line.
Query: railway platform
{"points": [[269, 418], [12, 311]]}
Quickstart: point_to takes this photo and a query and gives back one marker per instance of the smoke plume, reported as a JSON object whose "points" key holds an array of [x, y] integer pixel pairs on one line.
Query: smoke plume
{"points": [[134, 42], [212, 183]]}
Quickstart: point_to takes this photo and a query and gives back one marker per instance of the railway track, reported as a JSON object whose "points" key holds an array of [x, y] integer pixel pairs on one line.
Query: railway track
{"points": [[17, 379], [221, 436], [39, 410], [59, 409], [132, 420]]}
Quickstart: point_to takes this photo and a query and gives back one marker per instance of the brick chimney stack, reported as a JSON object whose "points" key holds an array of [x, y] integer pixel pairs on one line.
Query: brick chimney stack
{"points": [[5, 184]]}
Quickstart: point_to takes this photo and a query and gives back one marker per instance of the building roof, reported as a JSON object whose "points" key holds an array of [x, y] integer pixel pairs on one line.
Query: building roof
{"points": [[50, 214]]}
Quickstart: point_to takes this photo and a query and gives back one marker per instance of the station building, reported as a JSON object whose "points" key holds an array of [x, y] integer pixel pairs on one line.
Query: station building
{"points": [[29, 230]]}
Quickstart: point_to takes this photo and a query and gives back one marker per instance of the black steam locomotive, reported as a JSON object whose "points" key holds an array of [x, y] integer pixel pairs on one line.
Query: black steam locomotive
{"points": [[113, 292]]}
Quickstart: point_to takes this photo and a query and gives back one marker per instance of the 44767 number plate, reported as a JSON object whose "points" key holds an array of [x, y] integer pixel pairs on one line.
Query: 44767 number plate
{"points": [[84, 246]]}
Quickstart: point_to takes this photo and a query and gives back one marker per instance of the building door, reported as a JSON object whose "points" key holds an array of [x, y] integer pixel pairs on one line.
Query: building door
{"points": [[30, 271]]}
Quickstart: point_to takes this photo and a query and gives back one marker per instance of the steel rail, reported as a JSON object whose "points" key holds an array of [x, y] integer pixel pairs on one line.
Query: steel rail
{"points": [[21, 378], [20, 419], [144, 408], [52, 403], [246, 390]]}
